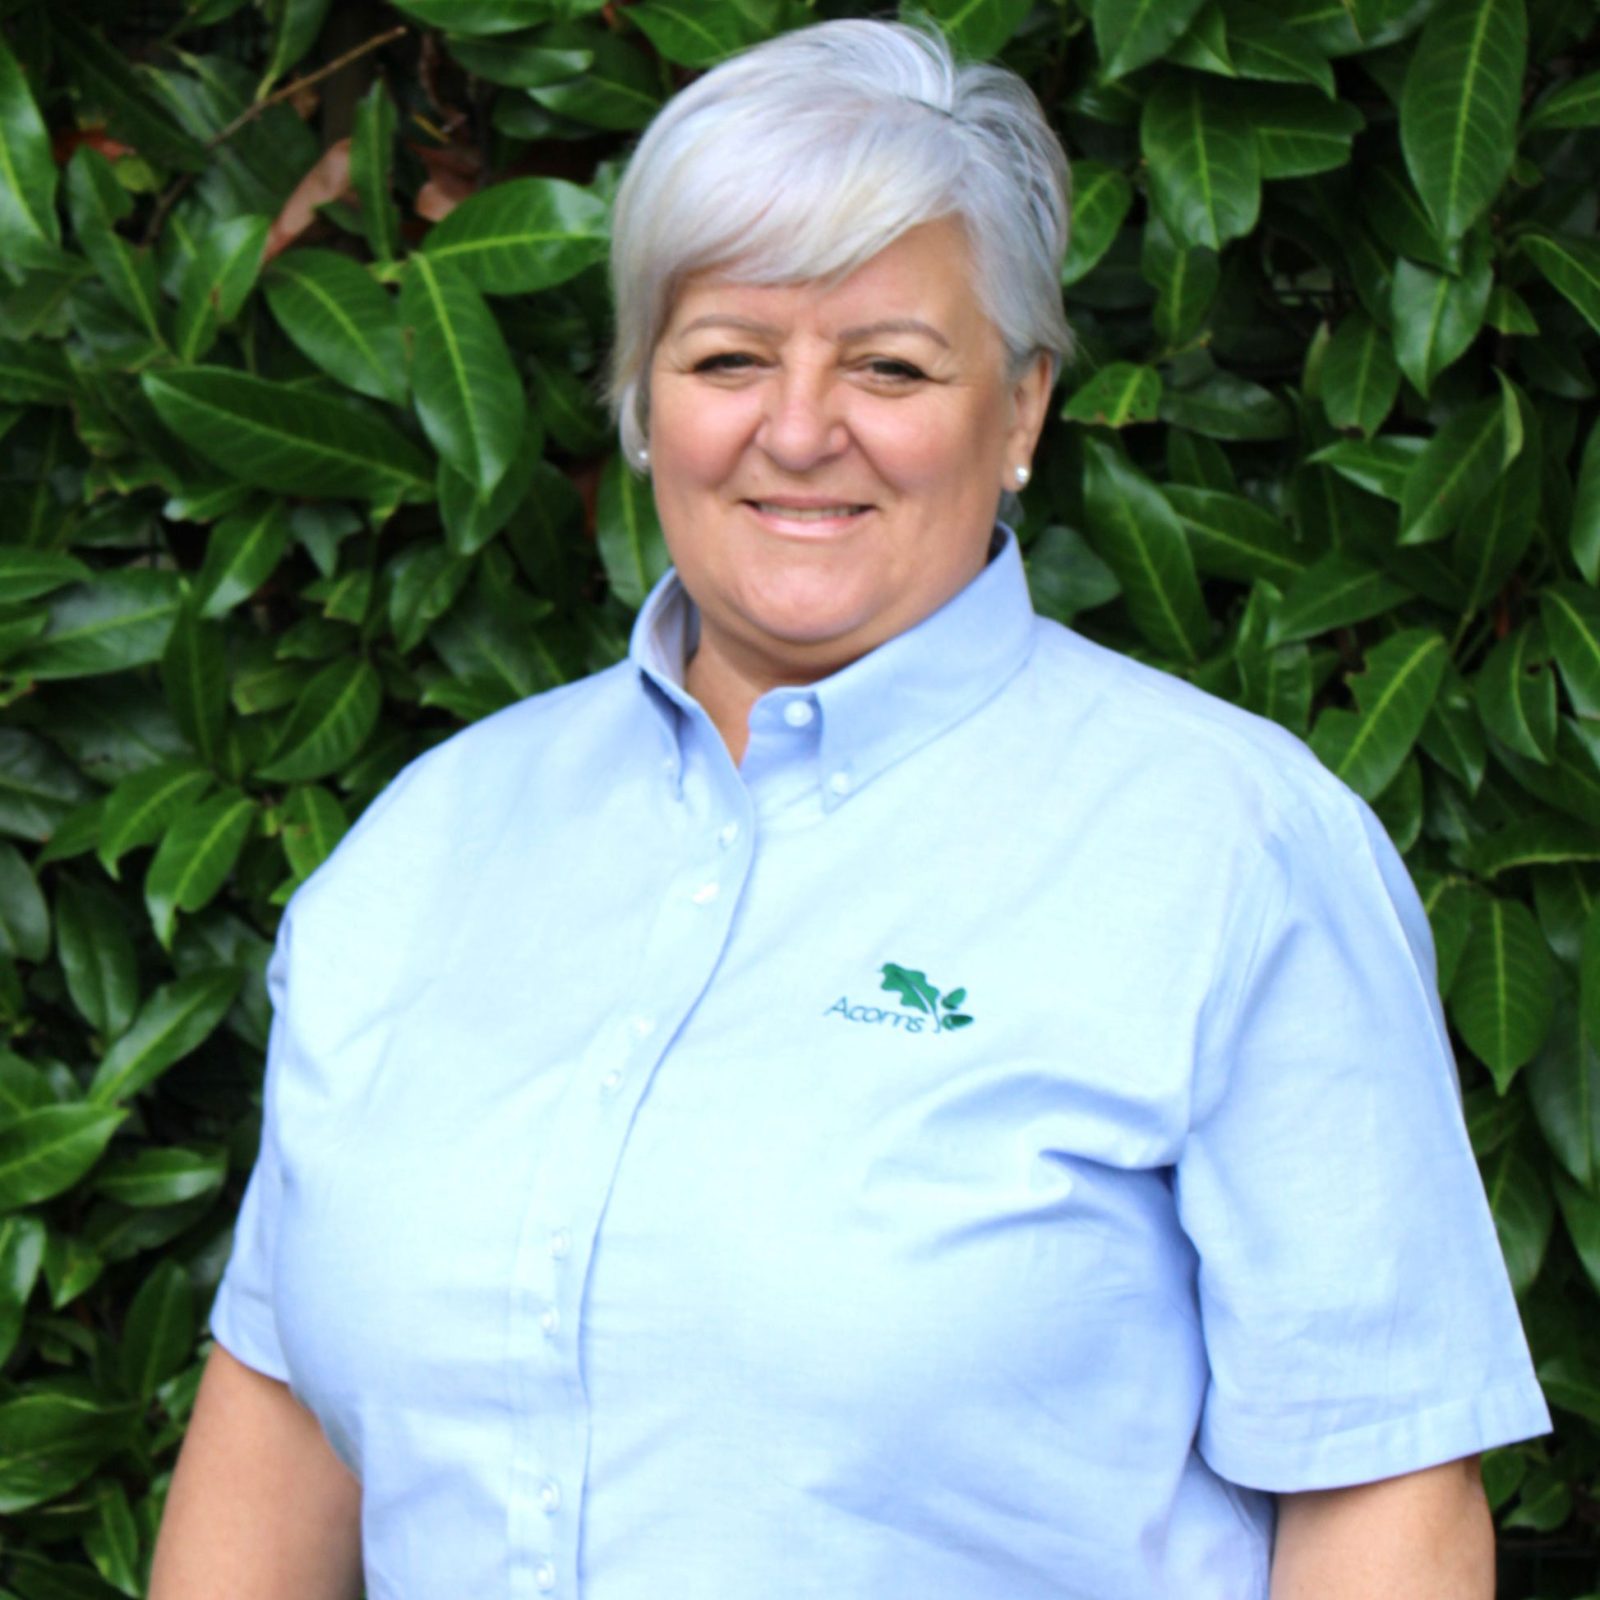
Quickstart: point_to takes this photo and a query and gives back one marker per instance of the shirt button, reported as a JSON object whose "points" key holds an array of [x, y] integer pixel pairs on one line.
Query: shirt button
{"points": [[550, 1495], [550, 1320], [644, 1026], [610, 1083], [544, 1575], [706, 893], [728, 832], [840, 783], [560, 1243], [798, 714]]}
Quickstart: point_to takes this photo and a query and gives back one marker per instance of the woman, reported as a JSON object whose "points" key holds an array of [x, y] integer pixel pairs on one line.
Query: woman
{"points": [[874, 1096]]}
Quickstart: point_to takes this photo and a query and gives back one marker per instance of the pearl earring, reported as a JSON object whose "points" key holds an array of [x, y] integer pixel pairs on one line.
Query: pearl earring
{"points": [[1022, 477], [643, 457]]}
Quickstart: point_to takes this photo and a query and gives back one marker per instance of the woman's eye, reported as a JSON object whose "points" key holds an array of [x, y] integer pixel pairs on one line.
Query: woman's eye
{"points": [[724, 361], [900, 371]]}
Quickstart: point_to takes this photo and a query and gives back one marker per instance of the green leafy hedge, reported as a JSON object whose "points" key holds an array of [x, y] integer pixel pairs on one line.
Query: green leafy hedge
{"points": [[301, 468]]}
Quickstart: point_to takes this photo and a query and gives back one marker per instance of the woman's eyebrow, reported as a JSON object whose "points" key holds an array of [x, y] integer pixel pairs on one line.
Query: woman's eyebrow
{"points": [[870, 330], [718, 319]]}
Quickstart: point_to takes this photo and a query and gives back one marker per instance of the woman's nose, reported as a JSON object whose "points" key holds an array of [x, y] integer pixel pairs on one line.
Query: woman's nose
{"points": [[803, 424]]}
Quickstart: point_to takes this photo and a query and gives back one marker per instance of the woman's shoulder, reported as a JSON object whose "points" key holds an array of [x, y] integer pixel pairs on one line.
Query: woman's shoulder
{"points": [[1209, 751]]}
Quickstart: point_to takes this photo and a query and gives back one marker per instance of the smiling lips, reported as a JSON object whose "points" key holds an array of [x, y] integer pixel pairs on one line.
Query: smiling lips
{"points": [[806, 513]]}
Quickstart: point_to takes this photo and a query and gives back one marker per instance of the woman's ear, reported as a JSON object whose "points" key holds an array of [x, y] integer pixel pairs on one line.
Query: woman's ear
{"points": [[1030, 400]]}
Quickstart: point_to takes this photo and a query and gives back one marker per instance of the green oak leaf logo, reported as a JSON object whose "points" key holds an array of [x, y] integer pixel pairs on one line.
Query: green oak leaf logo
{"points": [[919, 995]]}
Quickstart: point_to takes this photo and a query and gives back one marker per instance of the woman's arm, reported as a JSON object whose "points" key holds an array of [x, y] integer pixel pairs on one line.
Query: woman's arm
{"points": [[1424, 1536], [260, 1506]]}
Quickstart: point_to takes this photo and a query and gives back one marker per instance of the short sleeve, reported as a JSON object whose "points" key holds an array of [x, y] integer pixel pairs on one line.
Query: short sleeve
{"points": [[243, 1319], [1357, 1316]]}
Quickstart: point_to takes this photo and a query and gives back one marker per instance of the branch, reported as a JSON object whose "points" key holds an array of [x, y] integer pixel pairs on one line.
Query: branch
{"points": [[176, 190], [290, 90]]}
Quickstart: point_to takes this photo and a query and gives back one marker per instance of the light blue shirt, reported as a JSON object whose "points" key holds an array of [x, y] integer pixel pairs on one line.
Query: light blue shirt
{"points": [[973, 1149]]}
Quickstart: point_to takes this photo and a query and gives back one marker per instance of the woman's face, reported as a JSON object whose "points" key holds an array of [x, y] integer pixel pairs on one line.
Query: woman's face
{"points": [[827, 457]]}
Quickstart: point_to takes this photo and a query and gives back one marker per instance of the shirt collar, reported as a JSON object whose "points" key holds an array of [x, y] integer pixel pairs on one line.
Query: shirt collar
{"points": [[880, 708]]}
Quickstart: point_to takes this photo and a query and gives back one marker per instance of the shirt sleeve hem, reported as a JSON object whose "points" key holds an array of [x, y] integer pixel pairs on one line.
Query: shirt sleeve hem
{"points": [[1255, 1459], [233, 1330]]}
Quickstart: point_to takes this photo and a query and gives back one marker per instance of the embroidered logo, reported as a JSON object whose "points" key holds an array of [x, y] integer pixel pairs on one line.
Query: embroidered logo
{"points": [[926, 1010]]}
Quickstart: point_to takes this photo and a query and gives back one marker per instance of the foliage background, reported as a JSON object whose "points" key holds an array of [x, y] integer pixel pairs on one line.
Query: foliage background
{"points": [[301, 468]]}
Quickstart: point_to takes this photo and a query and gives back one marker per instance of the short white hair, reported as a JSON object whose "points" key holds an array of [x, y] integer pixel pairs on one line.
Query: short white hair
{"points": [[805, 156]]}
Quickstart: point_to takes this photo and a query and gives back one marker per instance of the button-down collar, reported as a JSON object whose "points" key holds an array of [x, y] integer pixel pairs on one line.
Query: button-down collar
{"points": [[871, 713]]}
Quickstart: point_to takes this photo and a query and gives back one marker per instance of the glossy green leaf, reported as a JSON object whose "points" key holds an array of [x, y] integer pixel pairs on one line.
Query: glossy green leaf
{"points": [[1517, 694], [1261, 46], [334, 717], [1574, 104], [372, 171], [1226, 406], [313, 822], [1360, 376], [53, 1437], [175, 1019], [1066, 577], [295, 26], [1185, 281], [97, 956], [620, 92], [158, 1334], [1116, 396], [1490, 543], [1132, 33], [1570, 781], [21, 1255], [1233, 537], [23, 1087], [1571, 615], [195, 856], [1580, 1210], [472, 519], [39, 788], [112, 1542], [218, 282], [1460, 106], [24, 915], [1101, 196], [1503, 997], [1299, 132], [1393, 694], [468, 394], [132, 111], [1453, 737], [45, 1151], [26, 574], [1204, 163], [287, 440], [99, 203], [426, 581], [1380, 466], [1460, 465], [1138, 534], [629, 534], [700, 33], [139, 809], [34, 374], [119, 620], [1523, 1212], [1435, 317], [194, 673], [523, 235], [1564, 1083], [1538, 841], [520, 61], [340, 318], [165, 1176], [1571, 266], [242, 552], [29, 229], [1586, 510], [1333, 592], [477, 17]]}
